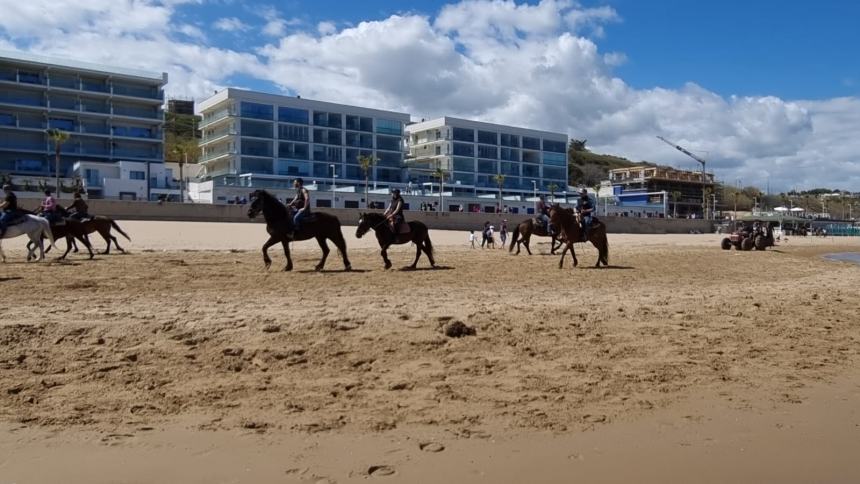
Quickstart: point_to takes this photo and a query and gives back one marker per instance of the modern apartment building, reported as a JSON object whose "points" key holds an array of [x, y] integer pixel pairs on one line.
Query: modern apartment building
{"points": [[266, 140], [477, 156], [111, 114]]}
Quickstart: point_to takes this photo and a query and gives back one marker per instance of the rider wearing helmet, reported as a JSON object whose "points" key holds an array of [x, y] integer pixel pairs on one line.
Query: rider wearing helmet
{"points": [[8, 208], [394, 212], [302, 204], [586, 212]]}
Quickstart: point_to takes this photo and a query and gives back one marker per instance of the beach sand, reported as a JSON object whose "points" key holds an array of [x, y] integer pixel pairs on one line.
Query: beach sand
{"points": [[186, 361]]}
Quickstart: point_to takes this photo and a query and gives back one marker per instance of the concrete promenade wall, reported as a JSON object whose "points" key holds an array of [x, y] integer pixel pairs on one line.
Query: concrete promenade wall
{"points": [[122, 210]]}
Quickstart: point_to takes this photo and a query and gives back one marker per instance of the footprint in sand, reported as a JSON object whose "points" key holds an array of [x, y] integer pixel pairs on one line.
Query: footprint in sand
{"points": [[380, 471], [431, 447]]}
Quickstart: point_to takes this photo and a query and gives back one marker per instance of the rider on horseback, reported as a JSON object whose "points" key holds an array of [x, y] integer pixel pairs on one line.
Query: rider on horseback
{"points": [[48, 209], [394, 212], [543, 214], [586, 213], [8, 209], [302, 204], [78, 208]]}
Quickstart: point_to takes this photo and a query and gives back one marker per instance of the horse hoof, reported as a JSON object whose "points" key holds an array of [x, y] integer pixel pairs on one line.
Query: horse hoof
{"points": [[318, 268], [347, 268]]}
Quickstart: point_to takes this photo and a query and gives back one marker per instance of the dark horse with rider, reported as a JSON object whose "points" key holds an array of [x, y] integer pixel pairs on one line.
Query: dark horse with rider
{"points": [[391, 228]]}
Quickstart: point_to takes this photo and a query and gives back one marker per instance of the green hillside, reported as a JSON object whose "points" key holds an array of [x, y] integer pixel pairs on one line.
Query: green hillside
{"points": [[589, 169]]}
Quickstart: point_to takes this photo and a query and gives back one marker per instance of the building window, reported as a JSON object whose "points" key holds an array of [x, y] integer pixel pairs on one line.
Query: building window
{"points": [[463, 149], [389, 126], [359, 123], [137, 175], [293, 133], [554, 146], [293, 150], [7, 119], [487, 166], [531, 171], [388, 175], [359, 140], [293, 168], [256, 129], [510, 140], [251, 165], [464, 164], [29, 77], [531, 157], [487, 151], [62, 124], [463, 134], [257, 111], [510, 154], [292, 115], [327, 153], [557, 174], [331, 120], [556, 159], [389, 159], [352, 155], [463, 178], [488, 137], [390, 143], [438, 150], [257, 148], [531, 143], [508, 168]]}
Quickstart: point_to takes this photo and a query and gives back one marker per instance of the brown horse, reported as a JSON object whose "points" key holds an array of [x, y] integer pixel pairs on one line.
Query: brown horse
{"points": [[523, 232], [80, 229], [320, 226], [418, 234], [568, 223]]}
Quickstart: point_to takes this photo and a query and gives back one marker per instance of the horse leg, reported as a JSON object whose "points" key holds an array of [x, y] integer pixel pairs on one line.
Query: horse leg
{"points": [[384, 253], [418, 246], [286, 246], [563, 254], [526, 241], [69, 241], [107, 238], [87, 244], [428, 249], [266, 260], [2, 255], [340, 243], [116, 244], [72, 241], [325, 250], [573, 254]]}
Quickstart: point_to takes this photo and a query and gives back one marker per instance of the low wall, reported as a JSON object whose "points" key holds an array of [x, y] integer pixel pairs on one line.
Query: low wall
{"points": [[127, 210]]}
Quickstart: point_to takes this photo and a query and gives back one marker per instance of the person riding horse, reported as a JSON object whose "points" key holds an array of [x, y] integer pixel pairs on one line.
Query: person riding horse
{"points": [[542, 211], [394, 212], [586, 213], [8, 209], [302, 204], [48, 209], [78, 209]]}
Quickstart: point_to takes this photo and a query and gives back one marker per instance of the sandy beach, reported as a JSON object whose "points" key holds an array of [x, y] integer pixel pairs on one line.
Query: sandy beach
{"points": [[186, 361]]}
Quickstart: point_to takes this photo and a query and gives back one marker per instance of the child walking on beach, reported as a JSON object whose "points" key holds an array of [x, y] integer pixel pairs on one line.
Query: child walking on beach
{"points": [[472, 238]]}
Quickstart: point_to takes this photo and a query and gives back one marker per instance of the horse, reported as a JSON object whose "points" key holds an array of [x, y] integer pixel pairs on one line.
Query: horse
{"points": [[278, 218], [71, 229], [568, 223], [35, 228], [528, 228], [80, 229], [418, 234]]}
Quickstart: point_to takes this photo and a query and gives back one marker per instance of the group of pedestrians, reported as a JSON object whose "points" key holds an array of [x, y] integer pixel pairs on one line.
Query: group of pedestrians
{"points": [[488, 236]]}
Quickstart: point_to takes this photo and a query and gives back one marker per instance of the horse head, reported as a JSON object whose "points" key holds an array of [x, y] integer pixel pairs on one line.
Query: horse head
{"points": [[256, 207], [363, 225]]}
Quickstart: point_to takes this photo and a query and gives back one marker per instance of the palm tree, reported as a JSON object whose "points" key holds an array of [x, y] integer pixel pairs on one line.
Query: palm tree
{"points": [[182, 150], [500, 182], [59, 137], [552, 187], [441, 174], [366, 163], [676, 195]]}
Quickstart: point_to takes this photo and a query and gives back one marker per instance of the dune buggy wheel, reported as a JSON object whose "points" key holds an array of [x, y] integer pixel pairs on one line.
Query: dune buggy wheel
{"points": [[760, 242], [747, 244], [726, 244]]}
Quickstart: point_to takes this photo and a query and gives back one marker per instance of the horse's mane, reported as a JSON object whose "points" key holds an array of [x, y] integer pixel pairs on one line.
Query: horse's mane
{"points": [[564, 214], [271, 201], [372, 216]]}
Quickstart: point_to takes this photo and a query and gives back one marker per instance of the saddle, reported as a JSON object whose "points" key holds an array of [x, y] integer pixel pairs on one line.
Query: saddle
{"points": [[404, 229]]}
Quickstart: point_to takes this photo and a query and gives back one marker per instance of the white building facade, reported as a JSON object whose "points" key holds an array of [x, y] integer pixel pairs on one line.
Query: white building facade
{"points": [[111, 114]]}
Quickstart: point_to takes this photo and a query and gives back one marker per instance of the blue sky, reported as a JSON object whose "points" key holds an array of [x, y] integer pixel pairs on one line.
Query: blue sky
{"points": [[768, 89], [793, 50]]}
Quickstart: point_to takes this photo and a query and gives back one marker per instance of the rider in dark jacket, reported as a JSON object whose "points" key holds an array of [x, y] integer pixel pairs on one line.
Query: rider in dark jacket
{"points": [[586, 212], [78, 208], [542, 210], [394, 212]]}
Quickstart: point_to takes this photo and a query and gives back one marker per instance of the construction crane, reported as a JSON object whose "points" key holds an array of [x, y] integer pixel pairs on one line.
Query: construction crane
{"points": [[700, 160]]}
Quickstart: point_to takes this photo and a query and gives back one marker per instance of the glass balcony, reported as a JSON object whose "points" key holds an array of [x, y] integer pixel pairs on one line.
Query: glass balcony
{"points": [[95, 108], [22, 145], [64, 82], [94, 86], [135, 112], [137, 91], [10, 98], [132, 153]]}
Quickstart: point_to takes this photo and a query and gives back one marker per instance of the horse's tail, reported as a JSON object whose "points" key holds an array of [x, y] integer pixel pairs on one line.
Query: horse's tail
{"points": [[514, 238], [114, 225], [603, 246]]}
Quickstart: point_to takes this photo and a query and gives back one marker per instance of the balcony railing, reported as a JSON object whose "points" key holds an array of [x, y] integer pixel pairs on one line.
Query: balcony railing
{"points": [[141, 92], [217, 154], [218, 116], [135, 112], [23, 101], [120, 152]]}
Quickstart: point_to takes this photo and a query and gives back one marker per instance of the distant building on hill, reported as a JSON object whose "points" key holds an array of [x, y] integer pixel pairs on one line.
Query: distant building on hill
{"points": [[639, 184]]}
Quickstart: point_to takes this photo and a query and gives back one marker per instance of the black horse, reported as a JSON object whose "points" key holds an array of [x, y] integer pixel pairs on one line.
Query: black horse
{"points": [[418, 234], [278, 217]]}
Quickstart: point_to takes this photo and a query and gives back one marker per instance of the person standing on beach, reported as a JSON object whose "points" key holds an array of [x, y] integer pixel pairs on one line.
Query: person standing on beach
{"points": [[472, 238], [503, 233]]}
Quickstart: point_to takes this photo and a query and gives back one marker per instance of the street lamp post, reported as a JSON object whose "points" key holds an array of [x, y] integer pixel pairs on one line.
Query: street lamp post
{"points": [[333, 176]]}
